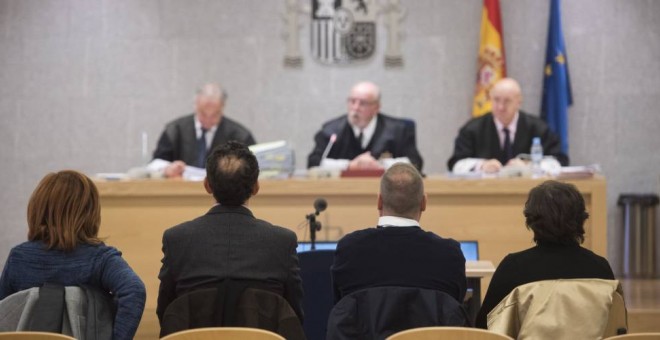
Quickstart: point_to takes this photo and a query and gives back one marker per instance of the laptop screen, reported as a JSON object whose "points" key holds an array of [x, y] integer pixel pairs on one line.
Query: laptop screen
{"points": [[470, 249], [307, 246]]}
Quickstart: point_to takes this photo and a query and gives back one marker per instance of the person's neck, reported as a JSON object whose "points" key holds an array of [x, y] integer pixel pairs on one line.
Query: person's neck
{"points": [[210, 122], [385, 213]]}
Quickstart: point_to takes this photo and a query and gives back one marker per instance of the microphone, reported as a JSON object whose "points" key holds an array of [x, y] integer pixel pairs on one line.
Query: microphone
{"points": [[332, 141], [320, 205]]}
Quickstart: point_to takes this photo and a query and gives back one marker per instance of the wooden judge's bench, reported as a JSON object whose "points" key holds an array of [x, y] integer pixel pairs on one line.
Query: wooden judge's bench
{"points": [[134, 215]]}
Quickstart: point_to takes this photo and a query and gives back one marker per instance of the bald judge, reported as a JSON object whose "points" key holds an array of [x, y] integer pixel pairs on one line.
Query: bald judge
{"points": [[364, 136], [492, 141]]}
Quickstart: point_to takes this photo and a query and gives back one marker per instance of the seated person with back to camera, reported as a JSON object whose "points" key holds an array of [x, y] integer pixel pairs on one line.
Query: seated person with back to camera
{"points": [[229, 242]]}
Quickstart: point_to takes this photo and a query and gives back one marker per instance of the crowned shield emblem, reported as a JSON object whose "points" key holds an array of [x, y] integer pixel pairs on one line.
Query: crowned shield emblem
{"points": [[343, 31]]}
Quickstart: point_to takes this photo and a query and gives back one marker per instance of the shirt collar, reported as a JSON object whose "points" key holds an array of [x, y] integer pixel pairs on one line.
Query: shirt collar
{"points": [[367, 132], [396, 221], [511, 126], [198, 128]]}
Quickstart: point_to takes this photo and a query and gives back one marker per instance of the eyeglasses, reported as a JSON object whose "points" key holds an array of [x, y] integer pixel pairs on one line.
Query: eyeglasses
{"points": [[360, 102]]}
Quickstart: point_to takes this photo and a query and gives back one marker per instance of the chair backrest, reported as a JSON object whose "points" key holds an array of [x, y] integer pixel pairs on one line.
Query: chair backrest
{"points": [[638, 336], [454, 333], [317, 287], [561, 309], [231, 305], [33, 336], [222, 333], [376, 313]]}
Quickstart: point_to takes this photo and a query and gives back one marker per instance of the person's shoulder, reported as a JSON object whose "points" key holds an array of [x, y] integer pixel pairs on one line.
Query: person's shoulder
{"points": [[391, 121], [599, 260], [182, 120], [358, 236], [335, 122], [276, 230], [479, 121], [531, 120], [182, 229], [440, 241]]}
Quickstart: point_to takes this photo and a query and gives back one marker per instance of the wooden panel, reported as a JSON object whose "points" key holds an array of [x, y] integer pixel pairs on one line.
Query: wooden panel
{"points": [[135, 214]]}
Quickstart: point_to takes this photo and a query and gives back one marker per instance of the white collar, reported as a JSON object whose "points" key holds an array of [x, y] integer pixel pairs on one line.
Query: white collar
{"points": [[367, 132], [396, 221], [512, 126], [198, 128]]}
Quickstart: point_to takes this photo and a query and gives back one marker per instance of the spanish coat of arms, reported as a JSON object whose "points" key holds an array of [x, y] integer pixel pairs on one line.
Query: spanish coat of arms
{"points": [[343, 31]]}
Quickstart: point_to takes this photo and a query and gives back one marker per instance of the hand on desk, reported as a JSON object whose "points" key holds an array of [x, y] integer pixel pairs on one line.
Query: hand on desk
{"points": [[491, 166], [175, 169], [364, 161]]}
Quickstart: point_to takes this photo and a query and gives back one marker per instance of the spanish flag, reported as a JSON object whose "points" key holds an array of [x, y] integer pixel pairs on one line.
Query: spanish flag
{"points": [[491, 65]]}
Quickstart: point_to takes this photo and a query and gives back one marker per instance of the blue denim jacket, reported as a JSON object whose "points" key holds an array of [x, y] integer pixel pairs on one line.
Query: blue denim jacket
{"points": [[30, 264]]}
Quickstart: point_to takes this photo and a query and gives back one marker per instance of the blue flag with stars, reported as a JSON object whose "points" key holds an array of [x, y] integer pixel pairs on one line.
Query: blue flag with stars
{"points": [[557, 95]]}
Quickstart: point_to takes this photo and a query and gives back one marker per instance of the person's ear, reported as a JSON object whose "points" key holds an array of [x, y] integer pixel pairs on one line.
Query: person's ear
{"points": [[255, 189], [380, 202], [207, 186], [422, 206]]}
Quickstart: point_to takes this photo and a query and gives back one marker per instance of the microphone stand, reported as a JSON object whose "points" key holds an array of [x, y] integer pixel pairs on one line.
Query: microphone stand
{"points": [[314, 226]]}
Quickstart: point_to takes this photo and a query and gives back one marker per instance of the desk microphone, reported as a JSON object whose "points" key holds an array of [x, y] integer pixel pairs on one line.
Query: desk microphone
{"points": [[320, 205], [332, 141]]}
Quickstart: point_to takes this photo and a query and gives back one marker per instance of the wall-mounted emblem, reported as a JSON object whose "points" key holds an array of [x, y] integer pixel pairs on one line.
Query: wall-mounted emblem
{"points": [[343, 31]]}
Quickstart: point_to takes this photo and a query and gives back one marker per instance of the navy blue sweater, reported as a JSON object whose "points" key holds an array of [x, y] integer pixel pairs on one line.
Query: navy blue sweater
{"points": [[398, 256], [30, 265]]}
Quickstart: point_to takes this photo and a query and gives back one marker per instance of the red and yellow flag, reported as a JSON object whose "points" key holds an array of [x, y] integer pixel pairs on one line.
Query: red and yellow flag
{"points": [[491, 65]]}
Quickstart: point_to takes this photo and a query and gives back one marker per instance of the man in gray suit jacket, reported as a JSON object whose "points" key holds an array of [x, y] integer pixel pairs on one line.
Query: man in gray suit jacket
{"points": [[189, 139], [229, 242]]}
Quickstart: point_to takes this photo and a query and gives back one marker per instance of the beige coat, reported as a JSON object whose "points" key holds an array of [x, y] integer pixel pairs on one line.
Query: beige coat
{"points": [[561, 309]]}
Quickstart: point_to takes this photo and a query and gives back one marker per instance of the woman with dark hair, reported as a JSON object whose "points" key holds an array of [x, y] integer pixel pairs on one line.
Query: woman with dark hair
{"points": [[63, 248], [555, 212]]}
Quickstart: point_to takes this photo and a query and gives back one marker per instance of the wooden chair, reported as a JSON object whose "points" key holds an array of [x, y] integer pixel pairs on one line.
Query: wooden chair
{"points": [[454, 333], [33, 336], [637, 336], [220, 333]]}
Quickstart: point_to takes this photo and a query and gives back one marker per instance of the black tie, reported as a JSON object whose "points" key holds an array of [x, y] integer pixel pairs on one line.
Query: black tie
{"points": [[201, 149], [508, 150], [360, 138]]}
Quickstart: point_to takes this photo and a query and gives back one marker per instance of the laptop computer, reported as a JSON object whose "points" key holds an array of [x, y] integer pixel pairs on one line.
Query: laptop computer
{"points": [[470, 249]]}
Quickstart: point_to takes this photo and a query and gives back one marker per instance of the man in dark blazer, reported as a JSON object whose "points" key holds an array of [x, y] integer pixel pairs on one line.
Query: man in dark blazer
{"points": [[399, 252], [492, 141], [228, 242], [188, 140], [364, 135]]}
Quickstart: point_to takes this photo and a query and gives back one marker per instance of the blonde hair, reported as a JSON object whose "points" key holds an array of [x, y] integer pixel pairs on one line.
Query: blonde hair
{"points": [[64, 211]]}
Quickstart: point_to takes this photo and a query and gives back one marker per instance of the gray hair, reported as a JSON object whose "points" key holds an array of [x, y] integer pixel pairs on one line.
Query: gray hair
{"points": [[212, 90], [402, 190]]}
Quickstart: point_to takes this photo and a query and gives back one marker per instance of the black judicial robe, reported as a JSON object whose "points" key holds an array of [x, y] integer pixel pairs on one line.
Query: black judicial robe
{"points": [[179, 140], [478, 139], [393, 136]]}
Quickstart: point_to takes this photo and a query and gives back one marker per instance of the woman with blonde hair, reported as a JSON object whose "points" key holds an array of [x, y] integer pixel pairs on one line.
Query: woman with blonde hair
{"points": [[63, 247]]}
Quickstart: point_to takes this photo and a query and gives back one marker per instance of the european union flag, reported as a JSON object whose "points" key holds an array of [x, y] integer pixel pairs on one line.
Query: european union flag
{"points": [[557, 95]]}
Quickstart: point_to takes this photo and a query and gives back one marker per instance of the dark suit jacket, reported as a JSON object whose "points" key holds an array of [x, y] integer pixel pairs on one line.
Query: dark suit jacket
{"points": [[542, 262], [393, 135], [229, 242], [179, 140], [398, 256], [479, 139], [378, 313]]}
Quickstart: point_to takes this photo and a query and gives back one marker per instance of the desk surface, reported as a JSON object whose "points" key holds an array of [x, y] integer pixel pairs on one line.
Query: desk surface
{"points": [[135, 214]]}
